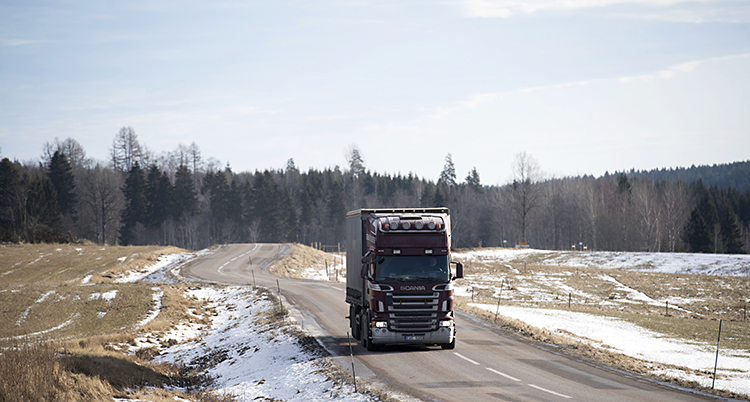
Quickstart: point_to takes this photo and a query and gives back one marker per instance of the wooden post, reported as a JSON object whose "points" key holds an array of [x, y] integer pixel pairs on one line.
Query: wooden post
{"points": [[498, 309], [351, 355], [281, 305], [570, 296], [716, 363]]}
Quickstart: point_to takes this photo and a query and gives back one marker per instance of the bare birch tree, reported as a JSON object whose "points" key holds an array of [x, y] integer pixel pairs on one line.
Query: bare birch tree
{"points": [[525, 188]]}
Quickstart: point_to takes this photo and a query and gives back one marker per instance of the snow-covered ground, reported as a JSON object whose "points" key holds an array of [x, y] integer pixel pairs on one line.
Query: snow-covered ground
{"points": [[165, 261], [248, 357], [685, 263], [253, 362], [733, 373], [616, 335]]}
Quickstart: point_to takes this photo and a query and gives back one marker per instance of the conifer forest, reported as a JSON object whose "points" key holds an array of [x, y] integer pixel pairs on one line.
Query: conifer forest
{"points": [[183, 199]]}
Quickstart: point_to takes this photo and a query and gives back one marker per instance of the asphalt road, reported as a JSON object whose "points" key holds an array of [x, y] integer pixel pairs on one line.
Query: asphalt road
{"points": [[486, 365]]}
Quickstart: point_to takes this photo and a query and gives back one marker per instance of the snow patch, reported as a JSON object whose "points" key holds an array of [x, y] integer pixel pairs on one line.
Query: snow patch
{"points": [[249, 359], [629, 339]]}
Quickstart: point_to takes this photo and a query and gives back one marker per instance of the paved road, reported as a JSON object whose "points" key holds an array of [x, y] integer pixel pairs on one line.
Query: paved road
{"points": [[487, 365]]}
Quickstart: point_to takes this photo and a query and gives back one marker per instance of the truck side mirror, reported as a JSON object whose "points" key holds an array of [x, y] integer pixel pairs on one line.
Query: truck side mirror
{"points": [[459, 270]]}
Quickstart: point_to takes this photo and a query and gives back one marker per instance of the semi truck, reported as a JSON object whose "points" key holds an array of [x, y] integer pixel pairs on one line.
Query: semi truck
{"points": [[399, 277]]}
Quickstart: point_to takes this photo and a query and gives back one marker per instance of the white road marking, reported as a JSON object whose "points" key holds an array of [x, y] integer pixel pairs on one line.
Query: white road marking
{"points": [[550, 392], [503, 374], [465, 358]]}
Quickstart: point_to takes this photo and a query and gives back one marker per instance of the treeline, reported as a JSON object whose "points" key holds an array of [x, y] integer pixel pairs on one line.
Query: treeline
{"points": [[179, 198], [731, 175]]}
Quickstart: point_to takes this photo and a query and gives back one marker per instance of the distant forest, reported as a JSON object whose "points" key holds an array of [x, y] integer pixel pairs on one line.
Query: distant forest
{"points": [[181, 198]]}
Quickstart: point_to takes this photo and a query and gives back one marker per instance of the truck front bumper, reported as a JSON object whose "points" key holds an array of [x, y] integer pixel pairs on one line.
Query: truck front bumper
{"points": [[384, 336]]}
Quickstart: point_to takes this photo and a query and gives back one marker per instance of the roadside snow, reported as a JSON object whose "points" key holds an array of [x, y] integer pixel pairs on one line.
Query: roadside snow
{"points": [[611, 333], [622, 337], [247, 357], [164, 264]]}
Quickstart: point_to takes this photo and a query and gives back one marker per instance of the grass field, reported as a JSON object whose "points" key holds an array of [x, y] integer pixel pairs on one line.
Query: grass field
{"points": [[684, 306], [62, 308]]}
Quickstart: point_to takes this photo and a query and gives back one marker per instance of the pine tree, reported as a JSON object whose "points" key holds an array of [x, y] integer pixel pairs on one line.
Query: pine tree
{"points": [[472, 180], [43, 211], [184, 196], [697, 235], [135, 205], [158, 191], [215, 188], [730, 233], [448, 175], [61, 175], [11, 206], [709, 213]]}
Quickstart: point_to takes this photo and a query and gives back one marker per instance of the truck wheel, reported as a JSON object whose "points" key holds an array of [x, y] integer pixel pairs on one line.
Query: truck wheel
{"points": [[354, 324], [371, 347], [451, 345]]}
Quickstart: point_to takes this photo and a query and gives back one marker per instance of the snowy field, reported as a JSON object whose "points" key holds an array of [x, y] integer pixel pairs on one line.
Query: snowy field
{"points": [[247, 354], [684, 263], [616, 335], [255, 362]]}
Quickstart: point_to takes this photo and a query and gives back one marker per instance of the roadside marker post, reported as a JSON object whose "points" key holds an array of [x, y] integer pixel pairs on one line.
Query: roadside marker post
{"points": [[351, 355], [716, 363]]}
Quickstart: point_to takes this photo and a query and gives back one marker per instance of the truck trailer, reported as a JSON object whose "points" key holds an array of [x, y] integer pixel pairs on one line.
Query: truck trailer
{"points": [[399, 282]]}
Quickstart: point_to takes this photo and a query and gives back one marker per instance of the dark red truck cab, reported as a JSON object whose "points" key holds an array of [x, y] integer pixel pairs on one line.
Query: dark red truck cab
{"points": [[399, 283]]}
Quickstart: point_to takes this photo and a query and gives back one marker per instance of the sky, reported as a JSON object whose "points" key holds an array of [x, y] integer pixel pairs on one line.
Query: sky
{"points": [[583, 86]]}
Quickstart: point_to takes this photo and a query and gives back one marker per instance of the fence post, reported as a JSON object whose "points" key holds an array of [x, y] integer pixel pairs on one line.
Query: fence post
{"points": [[716, 363], [351, 355], [281, 305]]}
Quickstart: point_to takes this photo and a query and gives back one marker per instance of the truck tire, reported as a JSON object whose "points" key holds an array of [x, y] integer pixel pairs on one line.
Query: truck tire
{"points": [[354, 322], [371, 347], [451, 345]]}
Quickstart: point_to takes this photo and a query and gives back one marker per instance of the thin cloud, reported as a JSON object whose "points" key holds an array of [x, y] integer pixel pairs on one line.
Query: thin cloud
{"points": [[476, 100], [508, 8], [20, 42], [670, 72], [470, 103]]}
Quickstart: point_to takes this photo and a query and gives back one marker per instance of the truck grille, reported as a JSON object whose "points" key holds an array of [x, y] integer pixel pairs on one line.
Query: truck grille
{"points": [[413, 312]]}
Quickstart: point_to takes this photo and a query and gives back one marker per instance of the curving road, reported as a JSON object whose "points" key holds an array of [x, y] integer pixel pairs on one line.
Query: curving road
{"points": [[486, 365]]}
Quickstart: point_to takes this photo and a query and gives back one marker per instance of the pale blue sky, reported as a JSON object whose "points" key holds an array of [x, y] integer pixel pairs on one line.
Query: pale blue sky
{"points": [[584, 86]]}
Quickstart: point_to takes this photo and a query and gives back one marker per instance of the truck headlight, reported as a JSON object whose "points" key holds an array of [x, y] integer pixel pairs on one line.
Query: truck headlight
{"points": [[446, 323], [380, 324]]}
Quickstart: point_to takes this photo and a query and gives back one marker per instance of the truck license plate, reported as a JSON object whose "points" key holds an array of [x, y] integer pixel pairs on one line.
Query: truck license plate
{"points": [[414, 338]]}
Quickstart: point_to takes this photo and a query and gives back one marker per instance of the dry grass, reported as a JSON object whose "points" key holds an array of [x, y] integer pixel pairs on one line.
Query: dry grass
{"points": [[696, 302], [35, 372], [300, 257], [56, 290], [68, 294]]}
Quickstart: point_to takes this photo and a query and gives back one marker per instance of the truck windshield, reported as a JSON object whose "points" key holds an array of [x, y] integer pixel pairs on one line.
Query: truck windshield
{"points": [[418, 268]]}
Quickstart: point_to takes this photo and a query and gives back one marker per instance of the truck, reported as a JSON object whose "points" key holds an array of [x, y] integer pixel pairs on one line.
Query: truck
{"points": [[399, 279]]}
